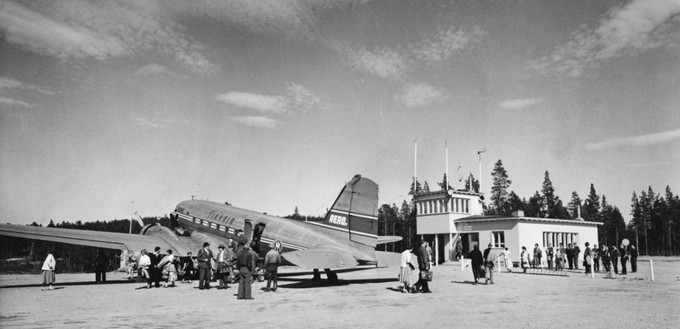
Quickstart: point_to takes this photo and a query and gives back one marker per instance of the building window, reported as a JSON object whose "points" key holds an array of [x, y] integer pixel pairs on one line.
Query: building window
{"points": [[555, 238], [498, 239]]}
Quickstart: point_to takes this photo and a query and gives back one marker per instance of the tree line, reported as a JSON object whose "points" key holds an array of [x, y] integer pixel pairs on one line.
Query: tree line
{"points": [[653, 229]]}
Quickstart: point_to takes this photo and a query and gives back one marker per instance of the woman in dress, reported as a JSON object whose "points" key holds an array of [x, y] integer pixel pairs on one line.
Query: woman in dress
{"points": [[143, 264], [48, 271], [524, 259]]}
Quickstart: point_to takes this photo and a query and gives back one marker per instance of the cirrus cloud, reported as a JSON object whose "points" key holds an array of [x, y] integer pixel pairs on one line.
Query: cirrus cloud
{"points": [[638, 26], [520, 103], [76, 29], [256, 121], [418, 95], [640, 140]]}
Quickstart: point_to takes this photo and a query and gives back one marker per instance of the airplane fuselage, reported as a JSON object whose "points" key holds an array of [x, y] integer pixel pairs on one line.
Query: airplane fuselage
{"points": [[220, 221]]}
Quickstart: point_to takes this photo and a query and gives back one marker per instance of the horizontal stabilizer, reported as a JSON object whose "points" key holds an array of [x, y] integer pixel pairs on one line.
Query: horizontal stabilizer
{"points": [[320, 258], [388, 238]]}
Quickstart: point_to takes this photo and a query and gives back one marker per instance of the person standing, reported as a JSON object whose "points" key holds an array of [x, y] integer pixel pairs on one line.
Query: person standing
{"points": [[271, 266], [405, 270], [168, 269], [587, 259], [551, 255], [577, 251], [48, 271], [570, 256], [143, 264], [155, 271], [596, 258], [538, 254], [614, 256], [624, 259], [205, 257], [223, 263], [101, 265], [604, 256], [489, 263], [423, 265], [477, 262], [187, 269], [524, 259], [633, 259], [507, 260], [245, 261]]}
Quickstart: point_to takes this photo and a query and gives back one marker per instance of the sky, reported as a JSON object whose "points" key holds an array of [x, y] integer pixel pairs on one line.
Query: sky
{"points": [[120, 106]]}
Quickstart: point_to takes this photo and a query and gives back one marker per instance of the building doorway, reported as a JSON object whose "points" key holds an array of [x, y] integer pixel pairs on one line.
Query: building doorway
{"points": [[469, 240]]}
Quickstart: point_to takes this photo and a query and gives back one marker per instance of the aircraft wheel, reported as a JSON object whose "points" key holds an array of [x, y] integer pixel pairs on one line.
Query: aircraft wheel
{"points": [[260, 278]]}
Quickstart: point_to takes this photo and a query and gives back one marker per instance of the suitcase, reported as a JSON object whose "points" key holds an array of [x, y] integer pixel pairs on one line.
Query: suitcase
{"points": [[426, 275]]}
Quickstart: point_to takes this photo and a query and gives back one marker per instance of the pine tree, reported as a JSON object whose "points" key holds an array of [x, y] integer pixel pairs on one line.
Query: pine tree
{"points": [[574, 205], [416, 188], [445, 182], [499, 190], [475, 184], [515, 202], [550, 210], [592, 206], [533, 207]]}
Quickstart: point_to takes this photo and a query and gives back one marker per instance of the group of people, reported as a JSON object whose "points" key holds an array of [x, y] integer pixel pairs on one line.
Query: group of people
{"points": [[416, 281], [559, 258], [154, 267], [483, 264], [151, 268]]}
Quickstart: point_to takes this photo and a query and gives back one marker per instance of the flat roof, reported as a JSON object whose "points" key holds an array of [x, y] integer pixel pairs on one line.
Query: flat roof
{"points": [[495, 218]]}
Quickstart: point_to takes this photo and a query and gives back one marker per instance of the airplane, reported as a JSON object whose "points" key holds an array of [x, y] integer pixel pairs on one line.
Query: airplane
{"points": [[346, 238]]}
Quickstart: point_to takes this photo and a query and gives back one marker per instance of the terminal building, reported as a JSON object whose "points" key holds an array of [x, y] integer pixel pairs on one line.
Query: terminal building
{"points": [[446, 217]]}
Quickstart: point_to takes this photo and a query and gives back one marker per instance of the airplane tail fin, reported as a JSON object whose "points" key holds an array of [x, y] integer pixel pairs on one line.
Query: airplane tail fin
{"points": [[355, 211]]}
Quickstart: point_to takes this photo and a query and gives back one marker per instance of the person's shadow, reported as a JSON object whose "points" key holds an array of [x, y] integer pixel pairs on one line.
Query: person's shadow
{"points": [[463, 282]]}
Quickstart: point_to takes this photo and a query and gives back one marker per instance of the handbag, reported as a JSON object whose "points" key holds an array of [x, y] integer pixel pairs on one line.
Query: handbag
{"points": [[426, 275]]}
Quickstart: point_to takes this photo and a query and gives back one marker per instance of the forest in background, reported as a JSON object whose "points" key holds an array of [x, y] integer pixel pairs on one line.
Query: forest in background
{"points": [[653, 227]]}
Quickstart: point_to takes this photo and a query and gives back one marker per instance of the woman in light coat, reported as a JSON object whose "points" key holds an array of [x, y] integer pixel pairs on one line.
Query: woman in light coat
{"points": [[48, 271]]}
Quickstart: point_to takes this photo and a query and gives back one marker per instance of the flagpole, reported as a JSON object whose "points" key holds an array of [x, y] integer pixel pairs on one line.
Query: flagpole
{"points": [[132, 215]]}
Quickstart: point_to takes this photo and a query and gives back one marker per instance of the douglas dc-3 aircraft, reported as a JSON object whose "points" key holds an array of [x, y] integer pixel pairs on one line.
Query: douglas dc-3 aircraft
{"points": [[346, 238]]}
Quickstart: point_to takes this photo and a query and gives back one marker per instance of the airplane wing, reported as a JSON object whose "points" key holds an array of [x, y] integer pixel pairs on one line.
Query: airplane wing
{"points": [[108, 240], [320, 258], [387, 239]]}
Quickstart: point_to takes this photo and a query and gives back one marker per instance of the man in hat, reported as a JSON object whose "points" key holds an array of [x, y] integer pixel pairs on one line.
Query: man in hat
{"points": [[477, 261], [489, 259], [204, 258], [271, 264], [155, 272]]}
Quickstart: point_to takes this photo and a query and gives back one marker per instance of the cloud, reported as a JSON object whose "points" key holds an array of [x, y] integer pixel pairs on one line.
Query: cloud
{"points": [[10, 101], [260, 103], [642, 140], [153, 69], [445, 43], [418, 95], [7, 83], [77, 29], [297, 98], [257, 121], [384, 62], [638, 26], [520, 103]]}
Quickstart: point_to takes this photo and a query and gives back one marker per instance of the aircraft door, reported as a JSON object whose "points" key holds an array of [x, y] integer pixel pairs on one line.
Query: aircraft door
{"points": [[257, 235], [248, 230]]}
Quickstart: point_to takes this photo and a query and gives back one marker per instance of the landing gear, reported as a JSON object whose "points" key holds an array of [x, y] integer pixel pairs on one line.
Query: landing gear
{"points": [[332, 276]]}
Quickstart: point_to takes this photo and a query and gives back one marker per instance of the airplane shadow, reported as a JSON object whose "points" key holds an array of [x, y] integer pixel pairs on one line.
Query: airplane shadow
{"points": [[464, 282], [62, 285], [309, 283]]}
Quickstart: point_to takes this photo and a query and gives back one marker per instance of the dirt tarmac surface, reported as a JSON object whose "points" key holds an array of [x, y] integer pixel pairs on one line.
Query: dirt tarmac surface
{"points": [[361, 299]]}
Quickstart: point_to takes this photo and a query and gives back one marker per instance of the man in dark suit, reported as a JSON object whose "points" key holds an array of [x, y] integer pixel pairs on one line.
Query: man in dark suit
{"points": [[477, 261], [155, 272], [245, 260], [204, 258], [423, 265]]}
